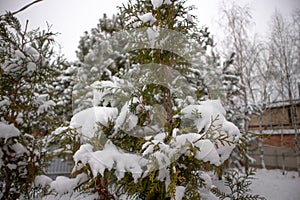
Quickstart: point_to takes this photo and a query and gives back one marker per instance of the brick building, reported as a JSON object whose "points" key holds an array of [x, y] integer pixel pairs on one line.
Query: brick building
{"points": [[279, 141]]}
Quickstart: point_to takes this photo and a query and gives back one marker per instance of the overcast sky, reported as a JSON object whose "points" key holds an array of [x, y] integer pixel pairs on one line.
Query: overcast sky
{"points": [[72, 17]]}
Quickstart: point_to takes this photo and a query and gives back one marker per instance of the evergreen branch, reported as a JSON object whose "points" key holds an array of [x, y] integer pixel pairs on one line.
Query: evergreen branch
{"points": [[239, 186]]}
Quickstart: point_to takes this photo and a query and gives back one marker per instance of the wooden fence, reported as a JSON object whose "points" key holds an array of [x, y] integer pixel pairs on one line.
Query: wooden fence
{"points": [[276, 157]]}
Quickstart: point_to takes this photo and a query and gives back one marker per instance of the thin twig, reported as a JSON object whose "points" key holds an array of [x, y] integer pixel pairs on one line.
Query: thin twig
{"points": [[25, 7]]}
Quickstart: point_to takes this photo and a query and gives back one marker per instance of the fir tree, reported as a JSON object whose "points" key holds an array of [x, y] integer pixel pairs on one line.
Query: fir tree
{"points": [[136, 119], [147, 132], [29, 80], [96, 60]]}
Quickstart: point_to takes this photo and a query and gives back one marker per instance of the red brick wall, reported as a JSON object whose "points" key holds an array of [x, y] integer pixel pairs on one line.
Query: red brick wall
{"points": [[276, 118], [287, 140]]}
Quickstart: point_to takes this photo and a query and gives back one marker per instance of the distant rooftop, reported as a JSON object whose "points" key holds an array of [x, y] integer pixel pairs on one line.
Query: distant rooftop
{"points": [[283, 103], [59, 167]]}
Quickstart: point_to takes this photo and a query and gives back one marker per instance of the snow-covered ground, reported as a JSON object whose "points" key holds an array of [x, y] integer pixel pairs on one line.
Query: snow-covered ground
{"points": [[272, 185]]}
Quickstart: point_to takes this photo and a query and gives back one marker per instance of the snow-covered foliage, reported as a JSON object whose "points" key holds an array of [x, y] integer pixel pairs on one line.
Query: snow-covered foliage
{"points": [[144, 124], [29, 80], [87, 121], [213, 145], [8, 131], [238, 186], [97, 59], [148, 130], [147, 17], [110, 158]]}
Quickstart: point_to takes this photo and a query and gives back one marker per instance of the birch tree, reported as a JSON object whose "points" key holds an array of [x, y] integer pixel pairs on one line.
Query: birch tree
{"points": [[283, 49], [236, 23]]}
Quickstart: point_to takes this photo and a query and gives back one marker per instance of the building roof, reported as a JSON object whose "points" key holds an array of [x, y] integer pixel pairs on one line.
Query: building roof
{"points": [[59, 167], [285, 103], [276, 131]]}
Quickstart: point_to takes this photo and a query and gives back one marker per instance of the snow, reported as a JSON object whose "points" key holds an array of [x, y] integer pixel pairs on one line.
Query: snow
{"points": [[126, 120], [63, 185], [86, 121], [153, 35], [74, 196], [18, 148], [156, 3], [273, 185], [4, 102], [31, 67], [168, 2], [204, 113], [45, 106], [59, 130], [33, 52], [19, 54], [102, 91], [42, 181], [108, 158], [179, 193], [148, 17], [189, 18], [208, 152], [8, 131], [210, 114], [156, 155], [180, 145], [11, 166]]}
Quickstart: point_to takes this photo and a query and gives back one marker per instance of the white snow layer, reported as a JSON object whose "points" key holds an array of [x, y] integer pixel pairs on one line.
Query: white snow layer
{"points": [[126, 120], [205, 113], [87, 121], [45, 106], [31, 67], [108, 158], [168, 2], [148, 17], [4, 102], [63, 185], [156, 3], [8, 131], [210, 113], [18, 148], [179, 193], [42, 181], [273, 185]]}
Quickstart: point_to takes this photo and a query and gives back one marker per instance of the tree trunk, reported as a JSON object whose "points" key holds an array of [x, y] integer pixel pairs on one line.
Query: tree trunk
{"points": [[260, 145]]}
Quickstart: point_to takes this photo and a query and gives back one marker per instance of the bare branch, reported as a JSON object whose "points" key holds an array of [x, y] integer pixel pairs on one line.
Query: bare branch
{"points": [[25, 7]]}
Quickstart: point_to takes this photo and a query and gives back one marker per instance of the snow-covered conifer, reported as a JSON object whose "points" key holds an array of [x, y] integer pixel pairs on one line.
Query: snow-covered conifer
{"points": [[158, 128], [29, 72]]}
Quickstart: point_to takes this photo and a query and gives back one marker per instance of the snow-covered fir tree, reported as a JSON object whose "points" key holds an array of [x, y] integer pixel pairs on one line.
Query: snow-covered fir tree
{"points": [[96, 60], [152, 131], [147, 117], [29, 76]]}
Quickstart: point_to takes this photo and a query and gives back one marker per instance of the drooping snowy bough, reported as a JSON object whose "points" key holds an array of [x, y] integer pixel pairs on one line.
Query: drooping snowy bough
{"points": [[161, 155]]}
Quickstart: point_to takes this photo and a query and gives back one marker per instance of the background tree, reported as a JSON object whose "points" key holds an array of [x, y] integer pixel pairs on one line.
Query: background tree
{"points": [[94, 55], [283, 52], [236, 22]]}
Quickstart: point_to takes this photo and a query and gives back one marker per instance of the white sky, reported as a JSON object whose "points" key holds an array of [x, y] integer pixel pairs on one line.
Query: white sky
{"points": [[72, 17]]}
